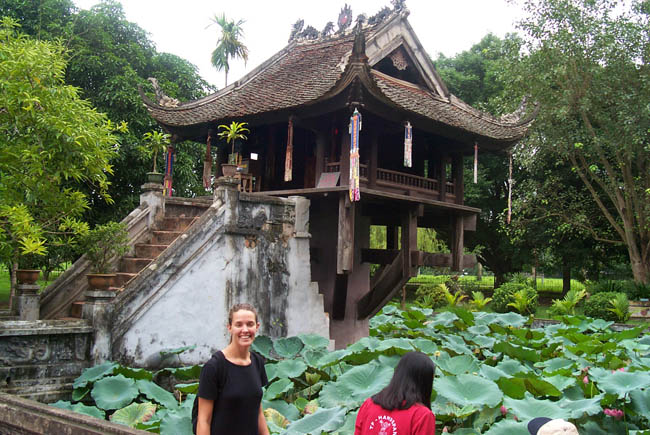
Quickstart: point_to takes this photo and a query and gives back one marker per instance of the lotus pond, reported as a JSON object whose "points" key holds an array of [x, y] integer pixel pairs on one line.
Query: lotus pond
{"points": [[494, 374]]}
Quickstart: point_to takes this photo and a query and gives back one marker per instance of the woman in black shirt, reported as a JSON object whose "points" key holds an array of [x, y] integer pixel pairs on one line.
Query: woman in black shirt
{"points": [[230, 387]]}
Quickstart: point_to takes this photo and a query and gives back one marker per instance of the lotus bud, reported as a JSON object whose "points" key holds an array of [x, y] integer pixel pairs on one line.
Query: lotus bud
{"points": [[585, 380], [504, 410]]}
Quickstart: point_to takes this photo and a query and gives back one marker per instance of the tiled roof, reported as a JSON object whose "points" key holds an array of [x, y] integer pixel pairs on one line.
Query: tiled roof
{"points": [[453, 112], [305, 71], [300, 73]]}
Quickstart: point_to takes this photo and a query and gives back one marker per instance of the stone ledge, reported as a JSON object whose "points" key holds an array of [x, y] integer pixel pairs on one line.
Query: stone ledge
{"points": [[48, 327], [24, 416]]}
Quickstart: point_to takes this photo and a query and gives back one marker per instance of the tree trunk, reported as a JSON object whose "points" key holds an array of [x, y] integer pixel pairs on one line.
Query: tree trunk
{"points": [[479, 271], [499, 278], [566, 276]]}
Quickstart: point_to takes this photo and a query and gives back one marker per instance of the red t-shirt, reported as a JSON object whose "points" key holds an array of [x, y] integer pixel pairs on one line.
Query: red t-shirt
{"points": [[375, 420]]}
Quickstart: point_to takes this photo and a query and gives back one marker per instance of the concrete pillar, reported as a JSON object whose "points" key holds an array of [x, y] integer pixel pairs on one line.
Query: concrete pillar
{"points": [[28, 301], [228, 193], [152, 197], [98, 308], [301, 227]]}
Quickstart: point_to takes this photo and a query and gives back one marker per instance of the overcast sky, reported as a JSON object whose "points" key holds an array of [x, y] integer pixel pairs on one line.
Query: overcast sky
{"points": [[182, 27]]}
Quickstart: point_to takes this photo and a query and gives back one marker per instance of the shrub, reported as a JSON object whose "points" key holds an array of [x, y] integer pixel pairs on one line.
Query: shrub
{"points": [[569, 303], [598, 305], [431, 296], [630, 288], [505, 295], [479, 301]]}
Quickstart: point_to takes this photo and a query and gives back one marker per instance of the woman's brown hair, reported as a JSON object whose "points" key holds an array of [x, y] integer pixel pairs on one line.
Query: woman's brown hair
{"points": [[239, 307]]}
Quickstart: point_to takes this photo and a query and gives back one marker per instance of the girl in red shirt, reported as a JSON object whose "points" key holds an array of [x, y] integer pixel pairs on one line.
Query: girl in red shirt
{"points": [[404, 406]]}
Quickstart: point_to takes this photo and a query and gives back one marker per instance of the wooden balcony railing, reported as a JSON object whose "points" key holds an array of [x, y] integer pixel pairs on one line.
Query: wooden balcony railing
{"points": [[395, 179]]}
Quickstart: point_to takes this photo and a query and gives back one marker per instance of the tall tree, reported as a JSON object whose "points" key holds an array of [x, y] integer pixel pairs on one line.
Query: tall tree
{"points": [[229, 45], [476, 76], [51, 139], [586, 63]]}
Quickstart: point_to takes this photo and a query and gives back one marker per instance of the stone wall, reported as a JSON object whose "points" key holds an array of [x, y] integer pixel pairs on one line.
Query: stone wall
{"points": [[41, 359], [19, 416], [245, 248]]}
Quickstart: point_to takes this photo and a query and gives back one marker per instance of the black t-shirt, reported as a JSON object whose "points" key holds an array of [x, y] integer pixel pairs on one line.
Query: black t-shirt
{"points": [[236, 410]]}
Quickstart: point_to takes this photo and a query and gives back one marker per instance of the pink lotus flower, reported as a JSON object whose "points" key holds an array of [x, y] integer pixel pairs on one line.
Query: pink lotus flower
{"points": [[445, 430], [504, 410], [616, 413], [585, 380]]}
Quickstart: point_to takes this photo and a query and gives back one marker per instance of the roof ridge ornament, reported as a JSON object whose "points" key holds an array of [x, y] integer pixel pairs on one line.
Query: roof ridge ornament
{"points": [[162, 99], [345, 18]]}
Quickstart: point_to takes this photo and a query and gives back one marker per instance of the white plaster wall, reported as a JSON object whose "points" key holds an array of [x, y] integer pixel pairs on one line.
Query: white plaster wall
{"points": [[186, 298]]}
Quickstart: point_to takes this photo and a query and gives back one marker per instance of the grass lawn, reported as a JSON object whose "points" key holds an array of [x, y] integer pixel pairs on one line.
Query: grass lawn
{"points": [[487, 282]]}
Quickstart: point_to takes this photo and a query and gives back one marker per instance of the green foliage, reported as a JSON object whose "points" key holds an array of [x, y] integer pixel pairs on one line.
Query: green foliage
{"points": [[598, 306], [522, 301], [633, 290], [134, 414], [584, 63], [479, 301], [620, 307], [453, 299], [568, 304], [505, 295], [231, 133], [485, 361], [104, 243], [155, 142], [52, 141], [431, 296]]}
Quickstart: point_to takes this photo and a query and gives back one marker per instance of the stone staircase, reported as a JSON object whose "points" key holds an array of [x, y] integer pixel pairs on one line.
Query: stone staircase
{"points": [[178, 218]]}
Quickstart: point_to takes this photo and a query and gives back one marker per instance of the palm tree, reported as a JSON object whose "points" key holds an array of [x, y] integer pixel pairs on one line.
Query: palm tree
{"points": [[229, 44]]}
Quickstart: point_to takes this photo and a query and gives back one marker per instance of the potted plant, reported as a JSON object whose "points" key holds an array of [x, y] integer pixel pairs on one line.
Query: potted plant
{"points": [[231, 133], [155, 142], [28, 271], [101, 245]]}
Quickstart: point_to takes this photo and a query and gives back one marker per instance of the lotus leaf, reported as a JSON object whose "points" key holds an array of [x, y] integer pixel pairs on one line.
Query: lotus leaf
{"points": [[290, 368], [530, 408], [288, 410], [176, 423], [508, 427], [446, 318], [512, 367], [456, 344], [132, 373], [579, 408], [323, 420], [641, 402], [469, 390], [271, 371], [332, 358], [288, 347], [425, 346], [561, 382], [396, 343], [153, 392], [312, 356], [114, 392], [188, 388], [389, 309], [134, 413], [79, 393], [185, 373], [93, 411], [278, 388], [263, 346], [348, 424], [94, 373], [555, 364], [354, 386], [622, 383], [272, 415], [314, 341], [517, 352], [458, 364]]}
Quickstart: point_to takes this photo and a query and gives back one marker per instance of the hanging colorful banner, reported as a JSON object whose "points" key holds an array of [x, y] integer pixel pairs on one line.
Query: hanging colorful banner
{"points": [[408, 144], [354, 129], [475, 162], [207, 164], [288, 160], [169, 167]]}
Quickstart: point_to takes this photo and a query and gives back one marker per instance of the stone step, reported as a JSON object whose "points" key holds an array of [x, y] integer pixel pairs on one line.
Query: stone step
{"points": [[122, 278], [179, 209], [164, 237], [177, 223], [133, 264], [147, 250]]}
